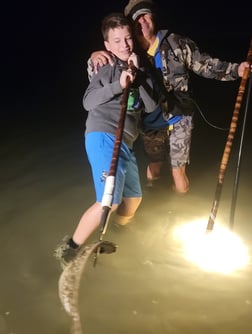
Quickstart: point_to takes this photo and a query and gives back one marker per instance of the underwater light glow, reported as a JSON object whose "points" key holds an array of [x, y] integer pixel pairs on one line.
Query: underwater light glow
{"points": [[220, 250]]}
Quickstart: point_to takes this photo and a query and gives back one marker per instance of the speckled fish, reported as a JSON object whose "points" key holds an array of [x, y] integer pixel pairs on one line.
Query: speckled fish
{"points": [[69, 281]]}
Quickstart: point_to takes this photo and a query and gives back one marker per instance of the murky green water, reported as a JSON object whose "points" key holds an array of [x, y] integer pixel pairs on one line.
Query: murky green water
{"points": [[147, 286]]}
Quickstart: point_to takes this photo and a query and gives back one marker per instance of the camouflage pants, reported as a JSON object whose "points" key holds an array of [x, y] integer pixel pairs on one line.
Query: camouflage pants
{"points": [[173, 146]]}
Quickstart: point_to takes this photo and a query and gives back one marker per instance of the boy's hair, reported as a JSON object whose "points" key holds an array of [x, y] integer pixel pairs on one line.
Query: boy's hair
{"points": [[112, 21]]}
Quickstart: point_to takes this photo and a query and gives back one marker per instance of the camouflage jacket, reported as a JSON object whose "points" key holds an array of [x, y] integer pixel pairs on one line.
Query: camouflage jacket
{"points": [[180, 55]]}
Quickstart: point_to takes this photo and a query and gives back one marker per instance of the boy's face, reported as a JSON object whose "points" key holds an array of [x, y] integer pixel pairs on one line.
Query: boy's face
{"points": [[120, 42]]}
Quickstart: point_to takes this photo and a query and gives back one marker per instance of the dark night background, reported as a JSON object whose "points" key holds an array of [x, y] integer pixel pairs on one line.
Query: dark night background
{"points": [[45, 46]]}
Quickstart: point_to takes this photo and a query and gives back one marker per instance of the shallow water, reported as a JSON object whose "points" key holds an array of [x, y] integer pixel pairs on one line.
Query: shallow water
{"points": [[147, 286]]}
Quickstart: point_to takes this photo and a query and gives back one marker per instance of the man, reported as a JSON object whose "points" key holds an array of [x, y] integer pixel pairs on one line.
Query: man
{"points": [[167, 132]]}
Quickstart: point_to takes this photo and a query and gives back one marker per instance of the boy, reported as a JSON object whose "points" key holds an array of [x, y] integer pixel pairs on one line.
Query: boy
{"points": [[102, 100]]}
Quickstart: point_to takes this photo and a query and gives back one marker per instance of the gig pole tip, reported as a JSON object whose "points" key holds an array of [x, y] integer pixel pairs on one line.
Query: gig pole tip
{"points": [[210, 226]]}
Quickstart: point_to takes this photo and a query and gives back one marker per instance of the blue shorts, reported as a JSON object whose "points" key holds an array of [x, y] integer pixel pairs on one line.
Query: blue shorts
{"points": [[99, 148]]}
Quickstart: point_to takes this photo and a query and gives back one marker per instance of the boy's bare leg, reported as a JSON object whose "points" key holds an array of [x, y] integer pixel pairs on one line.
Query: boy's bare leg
{"points": [[88, 223], [126, 210]]}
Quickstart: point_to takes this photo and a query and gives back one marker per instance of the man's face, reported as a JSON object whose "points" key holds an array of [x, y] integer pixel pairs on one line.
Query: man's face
{"points": [[120, 42], [144, 26]]}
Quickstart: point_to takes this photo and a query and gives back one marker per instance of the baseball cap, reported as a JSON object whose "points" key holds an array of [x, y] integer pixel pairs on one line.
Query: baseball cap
{"points": [[138, 7]]}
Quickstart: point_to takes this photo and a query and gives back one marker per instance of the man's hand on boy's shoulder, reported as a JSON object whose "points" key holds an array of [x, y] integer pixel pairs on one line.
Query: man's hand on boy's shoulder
{"points": [[101, 58]]}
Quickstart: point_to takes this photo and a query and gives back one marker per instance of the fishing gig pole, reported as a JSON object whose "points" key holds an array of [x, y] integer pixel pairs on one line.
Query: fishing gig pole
{"points": [[229, 142], [69, 281], [107, 198]]}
